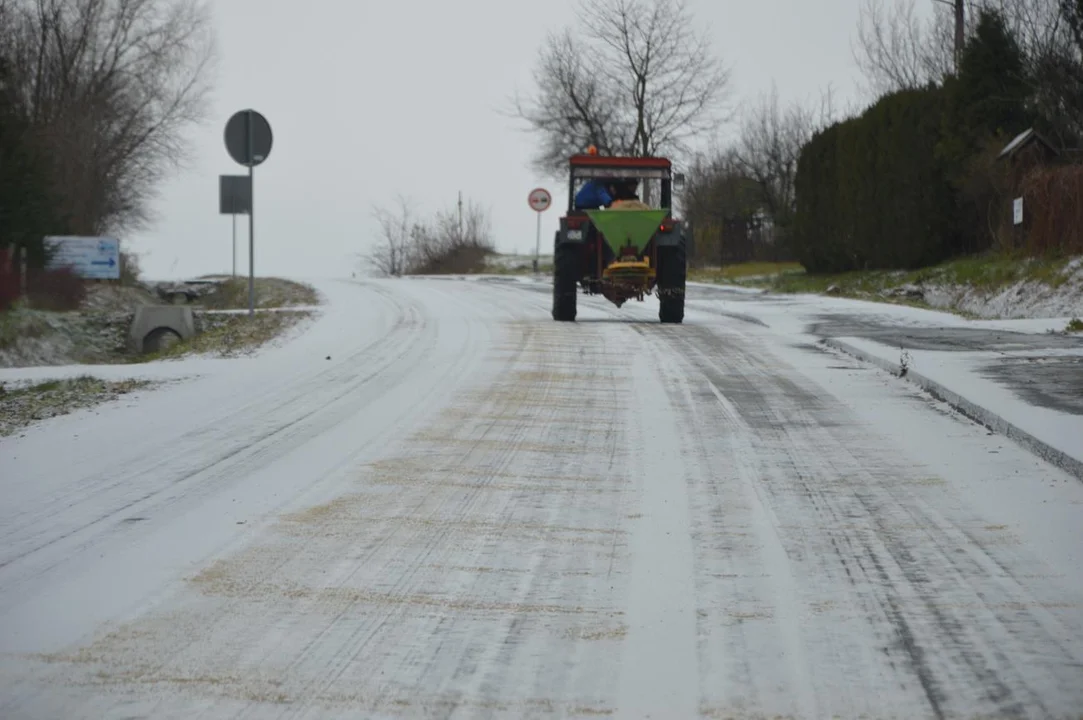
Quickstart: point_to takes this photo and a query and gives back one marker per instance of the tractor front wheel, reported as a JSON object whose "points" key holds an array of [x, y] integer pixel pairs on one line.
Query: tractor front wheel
{"points": [[566, 273], [672, 276]]}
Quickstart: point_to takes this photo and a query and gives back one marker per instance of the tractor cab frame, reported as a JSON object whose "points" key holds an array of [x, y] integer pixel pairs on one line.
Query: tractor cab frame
{"points": [[626, 251]]}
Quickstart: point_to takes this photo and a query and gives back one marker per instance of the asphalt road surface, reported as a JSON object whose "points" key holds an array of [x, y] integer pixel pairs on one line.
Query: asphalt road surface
{"points": [[439, 503]]}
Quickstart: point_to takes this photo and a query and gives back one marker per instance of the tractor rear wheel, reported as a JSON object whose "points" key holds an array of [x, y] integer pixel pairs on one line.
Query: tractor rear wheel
{"points": [[672, 275], [566, 273]]}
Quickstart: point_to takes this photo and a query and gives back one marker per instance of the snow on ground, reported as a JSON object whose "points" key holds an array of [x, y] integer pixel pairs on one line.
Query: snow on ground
{"points": [[1027, 299], [962, 373], [517, 262], [97, 333], [1015, 372], [435, 501], [778, 310]]}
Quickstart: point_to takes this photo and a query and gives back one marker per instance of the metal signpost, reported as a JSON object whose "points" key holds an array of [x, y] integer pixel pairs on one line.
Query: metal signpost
{"points": [[234, 198], [539, 200], [248, 141]]}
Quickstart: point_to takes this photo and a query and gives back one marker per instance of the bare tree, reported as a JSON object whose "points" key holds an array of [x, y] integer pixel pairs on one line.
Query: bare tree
{"points": [[897, 50], [391, 255], [1053, 63], [574, 108], [448, 245], [1039, 26], [445, 243], [770, 145], [639, 81], [110, 86]]}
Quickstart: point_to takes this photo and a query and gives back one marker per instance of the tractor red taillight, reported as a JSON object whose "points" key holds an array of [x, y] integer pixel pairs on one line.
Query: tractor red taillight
{"points": [[667, 225], [574, 223]]}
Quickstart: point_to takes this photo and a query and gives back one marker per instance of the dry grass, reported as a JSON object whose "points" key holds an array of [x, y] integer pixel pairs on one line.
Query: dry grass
{"points": [[232, 294], [233, 335], [744, 272], [988, 273], [24, 407]]}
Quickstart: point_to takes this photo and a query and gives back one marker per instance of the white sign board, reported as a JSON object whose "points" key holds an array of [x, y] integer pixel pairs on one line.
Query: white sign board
{"points": [[93, 258], [540, 199], [1017, 211]]}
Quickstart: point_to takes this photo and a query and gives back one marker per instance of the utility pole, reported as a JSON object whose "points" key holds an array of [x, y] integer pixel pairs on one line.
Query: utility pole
{"points": [[960, 32], [460, 216], [960, 28]]}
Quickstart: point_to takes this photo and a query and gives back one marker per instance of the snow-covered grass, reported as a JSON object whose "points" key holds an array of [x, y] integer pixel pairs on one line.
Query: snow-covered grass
{"points": [[232, 294], [94, 333], [23, 406], [39, 337], [760, 274], [97, 332], [232, 334], [986, 286], [502, 264]]}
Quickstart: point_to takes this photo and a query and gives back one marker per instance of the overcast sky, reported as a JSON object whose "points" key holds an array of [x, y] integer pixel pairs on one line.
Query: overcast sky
{"points": [[368, 100]]}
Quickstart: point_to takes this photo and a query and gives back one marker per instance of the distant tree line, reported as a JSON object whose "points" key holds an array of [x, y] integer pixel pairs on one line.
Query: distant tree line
{"points": [[95, 96], [914, 178], [452, 241]]}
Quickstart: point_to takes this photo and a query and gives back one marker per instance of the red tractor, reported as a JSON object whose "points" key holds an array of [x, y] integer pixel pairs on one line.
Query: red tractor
{"points": [[628, 250]]}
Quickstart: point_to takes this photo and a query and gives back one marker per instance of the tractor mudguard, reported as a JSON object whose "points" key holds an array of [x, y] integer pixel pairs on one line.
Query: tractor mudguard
{"points": [[669, 238], [570, 235]]}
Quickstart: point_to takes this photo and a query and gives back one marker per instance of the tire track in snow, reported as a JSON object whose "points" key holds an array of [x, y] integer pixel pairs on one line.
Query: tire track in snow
{"points": [[243, 445], [955, 655], [460, 361], [448, 569], [738, 553], [492, 563], [659, 664], [407, 582]]}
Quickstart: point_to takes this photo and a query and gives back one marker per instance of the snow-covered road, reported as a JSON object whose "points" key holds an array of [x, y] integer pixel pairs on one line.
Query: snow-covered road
{"points": [[437, 502]]}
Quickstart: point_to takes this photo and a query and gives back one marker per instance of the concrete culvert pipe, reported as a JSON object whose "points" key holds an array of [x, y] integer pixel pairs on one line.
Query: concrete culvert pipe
{"points": [[157, 327], [160, 339]]}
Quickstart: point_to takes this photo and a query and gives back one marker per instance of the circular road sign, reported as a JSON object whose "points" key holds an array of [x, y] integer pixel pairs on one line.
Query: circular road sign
{"points": [[248, 138], [540, 199]]}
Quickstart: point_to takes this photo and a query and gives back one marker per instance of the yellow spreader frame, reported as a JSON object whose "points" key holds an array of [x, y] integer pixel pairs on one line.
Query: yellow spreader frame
{"points": [[629, 278]]}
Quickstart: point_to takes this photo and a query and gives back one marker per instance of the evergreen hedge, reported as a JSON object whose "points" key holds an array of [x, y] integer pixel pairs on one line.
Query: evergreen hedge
{"points": [[873, 193]]}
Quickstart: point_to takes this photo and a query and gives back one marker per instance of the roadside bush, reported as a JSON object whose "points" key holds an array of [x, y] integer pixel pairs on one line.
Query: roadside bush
{"points": [[462, 260], [129, 269], [914, 180], [9, 282], [451, 243], [872, 192], [983, 200], [58, 290]]}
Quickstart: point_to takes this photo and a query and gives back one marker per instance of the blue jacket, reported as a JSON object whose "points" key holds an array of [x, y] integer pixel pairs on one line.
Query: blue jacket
{"points": [[592, 196]]}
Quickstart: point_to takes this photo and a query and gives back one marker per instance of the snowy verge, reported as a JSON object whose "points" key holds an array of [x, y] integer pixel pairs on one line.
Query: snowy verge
{"points": [[991, 288], [1024, 298], [1052, 435], [97, 332], [24, 406]]}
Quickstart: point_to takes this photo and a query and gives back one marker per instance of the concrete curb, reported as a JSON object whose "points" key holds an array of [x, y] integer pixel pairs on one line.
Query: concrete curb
{"points": [[975, 412]]}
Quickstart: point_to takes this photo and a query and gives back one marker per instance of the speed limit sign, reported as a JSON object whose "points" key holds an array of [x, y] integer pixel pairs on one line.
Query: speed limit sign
{"points": [[540, 199]]}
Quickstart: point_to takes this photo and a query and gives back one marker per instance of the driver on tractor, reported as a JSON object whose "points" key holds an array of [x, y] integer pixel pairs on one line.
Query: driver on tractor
{"points": [[627, 195], [594, 195]]}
